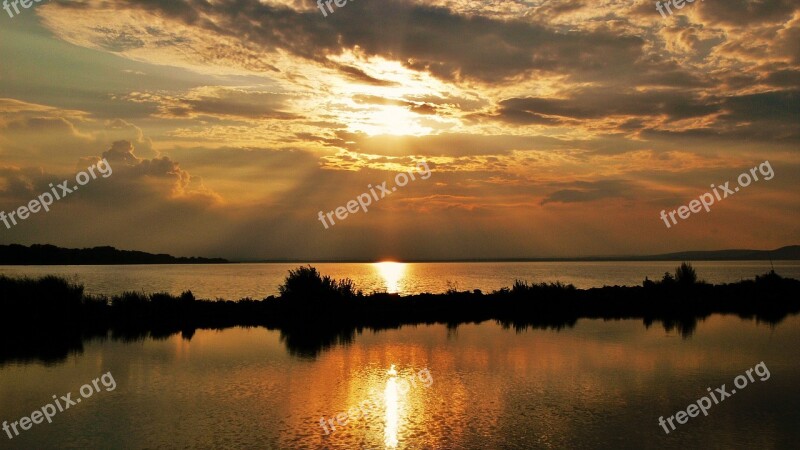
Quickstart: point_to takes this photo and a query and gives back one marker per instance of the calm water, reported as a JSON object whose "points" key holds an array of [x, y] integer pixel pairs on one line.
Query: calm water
{"points": [[237, 281], [597, 385]]}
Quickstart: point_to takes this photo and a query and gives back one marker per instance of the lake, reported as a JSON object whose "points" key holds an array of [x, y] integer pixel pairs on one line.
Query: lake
{"points": [[235, 281], [596, 385]]}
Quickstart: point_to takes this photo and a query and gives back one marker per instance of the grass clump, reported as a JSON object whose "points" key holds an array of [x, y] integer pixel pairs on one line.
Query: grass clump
{"points": [[305, 283]]}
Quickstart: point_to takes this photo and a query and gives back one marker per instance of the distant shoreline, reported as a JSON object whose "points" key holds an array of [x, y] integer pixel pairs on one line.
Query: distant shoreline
{"points": [[447, 261], [49, 255], [477, 261], [787, 253]]}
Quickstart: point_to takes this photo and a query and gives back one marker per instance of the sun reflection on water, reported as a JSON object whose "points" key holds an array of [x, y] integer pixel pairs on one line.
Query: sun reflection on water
{"points": [[392, 273], [391, 398]]}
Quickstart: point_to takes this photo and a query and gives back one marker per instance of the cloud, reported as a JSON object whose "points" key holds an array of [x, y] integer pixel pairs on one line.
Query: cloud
{"points": [[747, 12], [598, 104], [584, 192], [254, 115], [53, 138], [486, 49], [158, 176], [217, 101]]}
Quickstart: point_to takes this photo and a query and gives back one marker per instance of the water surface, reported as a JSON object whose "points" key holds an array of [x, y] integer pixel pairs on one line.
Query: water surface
{"points": [[597, 385], [235, 281]]}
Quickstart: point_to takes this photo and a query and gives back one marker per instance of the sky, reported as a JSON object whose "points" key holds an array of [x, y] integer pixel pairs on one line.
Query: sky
{"points": [[550, 128]]}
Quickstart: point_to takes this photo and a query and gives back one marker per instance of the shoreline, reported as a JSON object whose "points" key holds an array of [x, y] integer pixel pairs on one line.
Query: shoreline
{"points": [[47, 318]]}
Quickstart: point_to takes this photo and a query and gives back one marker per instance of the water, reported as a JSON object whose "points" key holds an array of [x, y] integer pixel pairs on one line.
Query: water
{"points": [[597, 385], [235, 281]]}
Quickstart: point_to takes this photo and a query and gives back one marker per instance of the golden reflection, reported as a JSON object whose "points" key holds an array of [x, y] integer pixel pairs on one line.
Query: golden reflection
{"points": [[392, 273], [392, 410]]}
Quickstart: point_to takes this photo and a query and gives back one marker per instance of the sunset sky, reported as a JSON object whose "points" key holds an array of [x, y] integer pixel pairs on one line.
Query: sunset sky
{"points": [[552, 128]]}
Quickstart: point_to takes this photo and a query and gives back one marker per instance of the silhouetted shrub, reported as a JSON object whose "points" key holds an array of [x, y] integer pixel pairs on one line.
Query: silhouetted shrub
{"points": [[769, 277], [46, 296], [306, 283], [346, 288], [452, 287], [685, 274], [522, 288], [130, 300]]}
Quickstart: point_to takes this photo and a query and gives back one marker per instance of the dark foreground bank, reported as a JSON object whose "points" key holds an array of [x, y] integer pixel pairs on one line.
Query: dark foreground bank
{"points": [[47, 318]]}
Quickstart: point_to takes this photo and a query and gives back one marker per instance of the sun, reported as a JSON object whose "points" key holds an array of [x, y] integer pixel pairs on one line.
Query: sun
{"points": [[386, 107], [388, 120]]}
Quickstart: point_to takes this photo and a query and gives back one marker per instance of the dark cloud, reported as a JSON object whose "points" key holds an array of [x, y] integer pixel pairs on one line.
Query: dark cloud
{"points": [[747, 12], [218, 102], [784, 78], [41, 125], [419, 108], [767, 116], [117, 41], [356, 74], [778, 107], [375, 100], [599, 103], [763, 117], [584, 191], [433, 39]]}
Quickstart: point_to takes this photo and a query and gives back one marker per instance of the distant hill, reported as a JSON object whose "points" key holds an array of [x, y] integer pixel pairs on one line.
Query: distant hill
{"points": [[788, 253], [791, 252], [44, 255]]}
